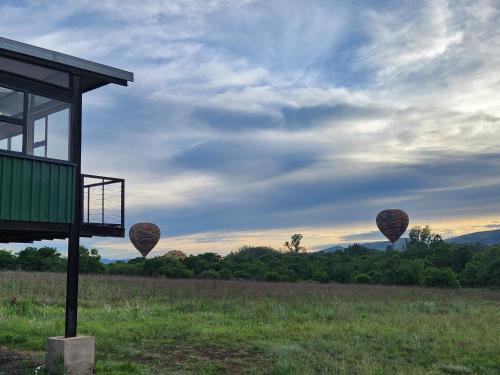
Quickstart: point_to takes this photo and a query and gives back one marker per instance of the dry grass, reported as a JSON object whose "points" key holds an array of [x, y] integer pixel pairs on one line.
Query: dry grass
{"points": [[157, 326]]}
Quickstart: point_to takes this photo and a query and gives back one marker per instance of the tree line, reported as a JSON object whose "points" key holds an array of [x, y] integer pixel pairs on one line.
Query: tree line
{"points": [[426, 260]]}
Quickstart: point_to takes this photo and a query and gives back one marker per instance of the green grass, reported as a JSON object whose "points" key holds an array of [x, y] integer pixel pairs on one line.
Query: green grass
{"points": [[159, 326]]}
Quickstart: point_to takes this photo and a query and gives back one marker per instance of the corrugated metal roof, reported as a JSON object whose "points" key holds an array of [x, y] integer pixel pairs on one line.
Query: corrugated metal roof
{"points": [[61, 58]]}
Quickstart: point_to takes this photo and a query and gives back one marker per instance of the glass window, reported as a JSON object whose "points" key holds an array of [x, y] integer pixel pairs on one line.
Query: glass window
{"points": [[11, 137], [48, 127], [11, 103], [40, 73]]}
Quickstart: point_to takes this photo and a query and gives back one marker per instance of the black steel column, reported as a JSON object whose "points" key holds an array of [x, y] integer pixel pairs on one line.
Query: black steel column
{"points": [[74, 239]]}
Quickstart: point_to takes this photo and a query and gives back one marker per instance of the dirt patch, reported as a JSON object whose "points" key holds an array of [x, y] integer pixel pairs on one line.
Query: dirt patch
{"points": [[221, 359], [18, 363]]}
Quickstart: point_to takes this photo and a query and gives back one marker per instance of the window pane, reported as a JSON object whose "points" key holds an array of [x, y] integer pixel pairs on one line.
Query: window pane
{"points": [[48, 126], [39, 132], [11, 137], [39, 151], [16, 143], [11, 103], [58, 135], [40, 73]]}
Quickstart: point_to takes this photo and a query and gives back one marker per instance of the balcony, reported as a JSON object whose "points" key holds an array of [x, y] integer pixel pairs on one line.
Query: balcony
{"points": [[37, 200], [103, 206]]}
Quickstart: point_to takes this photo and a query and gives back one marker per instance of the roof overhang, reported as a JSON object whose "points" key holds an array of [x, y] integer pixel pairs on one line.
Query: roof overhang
{"points": [[94, 74]]}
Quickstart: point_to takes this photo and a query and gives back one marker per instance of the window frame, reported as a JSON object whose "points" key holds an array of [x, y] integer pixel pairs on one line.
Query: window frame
{"points": [[31, 86], [12, 119]]}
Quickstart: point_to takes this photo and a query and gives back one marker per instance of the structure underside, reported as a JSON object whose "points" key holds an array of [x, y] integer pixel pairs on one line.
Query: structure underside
{"points": [[27, 232]]}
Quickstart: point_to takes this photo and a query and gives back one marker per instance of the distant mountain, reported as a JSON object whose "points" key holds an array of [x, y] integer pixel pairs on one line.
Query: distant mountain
{"points": [[378, 245], [382, 245], [108, 261], [487, 238], [331, 249], [490, 237]]}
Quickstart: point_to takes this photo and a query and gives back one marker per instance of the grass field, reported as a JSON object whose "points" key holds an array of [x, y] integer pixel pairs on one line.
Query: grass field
{"points": [[160, 326]]}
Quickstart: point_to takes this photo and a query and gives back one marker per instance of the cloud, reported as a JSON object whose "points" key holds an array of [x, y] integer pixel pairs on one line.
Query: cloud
{"points": [[308, 116], [408, 40], [264, 116], [234, 120], [241, 158], [493, 226]]}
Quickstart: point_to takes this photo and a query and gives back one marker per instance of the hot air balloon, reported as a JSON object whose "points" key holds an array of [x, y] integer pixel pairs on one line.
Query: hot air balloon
{"points": [[144, 236], [392, 223], [175, 254]]}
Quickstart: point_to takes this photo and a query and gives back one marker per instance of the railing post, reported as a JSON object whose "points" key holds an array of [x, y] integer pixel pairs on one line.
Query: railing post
{"points": [[123, 205], [102, 203], [88, 205], [82, 199]]}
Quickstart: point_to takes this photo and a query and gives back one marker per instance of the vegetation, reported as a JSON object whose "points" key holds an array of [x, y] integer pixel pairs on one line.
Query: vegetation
{"points": [[426, 261], [294, 245], [165, 326]]}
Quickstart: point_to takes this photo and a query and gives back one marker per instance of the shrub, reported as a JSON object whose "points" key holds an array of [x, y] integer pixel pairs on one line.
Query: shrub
{"points": [[90, 261], [362, 278], [272, 276], [321, 276], [178, 273], [471, 275], [226, 274], [257, 251], [209, 274], [411, 273], [43, 259], [443, 278], [8, 261], [242, 275]]}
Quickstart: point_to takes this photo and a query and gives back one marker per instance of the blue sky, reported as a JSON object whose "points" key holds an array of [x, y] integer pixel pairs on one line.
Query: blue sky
{"points": [[253, 120]]}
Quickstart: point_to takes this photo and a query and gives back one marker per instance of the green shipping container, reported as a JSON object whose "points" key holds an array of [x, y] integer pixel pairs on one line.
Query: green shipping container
{"points": [[36, 191]]}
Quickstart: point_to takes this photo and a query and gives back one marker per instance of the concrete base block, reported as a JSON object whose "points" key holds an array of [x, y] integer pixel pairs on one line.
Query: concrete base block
{"points": [[72, 355]]}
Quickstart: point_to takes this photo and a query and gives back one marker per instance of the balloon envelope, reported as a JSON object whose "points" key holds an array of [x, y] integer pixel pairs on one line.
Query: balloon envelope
{"points": [[392, 223], [144, 236]]}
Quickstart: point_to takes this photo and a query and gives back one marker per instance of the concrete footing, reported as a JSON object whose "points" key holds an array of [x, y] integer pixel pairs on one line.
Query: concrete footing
{"points": [[72, 355]]}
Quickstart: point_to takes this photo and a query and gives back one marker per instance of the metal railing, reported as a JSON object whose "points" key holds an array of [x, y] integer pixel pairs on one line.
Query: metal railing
{"points": [[103, 201]]}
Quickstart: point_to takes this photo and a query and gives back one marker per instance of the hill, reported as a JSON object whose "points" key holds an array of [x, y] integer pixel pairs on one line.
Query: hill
{"points": [[109, 261], [378, 245], [486, 238], [490, 237]]}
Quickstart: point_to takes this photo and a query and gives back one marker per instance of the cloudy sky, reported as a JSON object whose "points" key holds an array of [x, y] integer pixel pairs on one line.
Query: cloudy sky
{"points": [[249, 120]]}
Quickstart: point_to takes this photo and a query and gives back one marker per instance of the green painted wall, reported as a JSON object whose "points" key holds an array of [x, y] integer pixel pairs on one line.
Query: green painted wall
{"points": [[38, 191]]}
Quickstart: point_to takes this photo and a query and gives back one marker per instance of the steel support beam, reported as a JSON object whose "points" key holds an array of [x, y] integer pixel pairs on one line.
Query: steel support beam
{"points": [[74, 238]]}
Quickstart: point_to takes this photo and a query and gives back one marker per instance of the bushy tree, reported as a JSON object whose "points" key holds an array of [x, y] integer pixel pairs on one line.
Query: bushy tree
{"points": [[42, 259], [358, 249], [483, 270], [272, 276], [202, 262], [123, 268], [8, 261], [90, 261], [320, 276], [294, 245], [167, 267], [362, 278], [209, 274], [424, 237], [257, 251], [399, 271], [440, 277]]}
